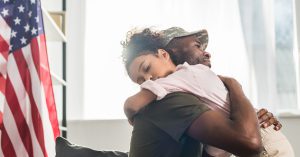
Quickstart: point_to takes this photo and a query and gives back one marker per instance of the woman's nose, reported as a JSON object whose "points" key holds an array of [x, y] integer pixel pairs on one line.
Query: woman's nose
{"points": [[148, 77]]}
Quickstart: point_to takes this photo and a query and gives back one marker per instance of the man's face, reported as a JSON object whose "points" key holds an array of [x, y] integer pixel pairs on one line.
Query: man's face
{"points": [[188, 49]]}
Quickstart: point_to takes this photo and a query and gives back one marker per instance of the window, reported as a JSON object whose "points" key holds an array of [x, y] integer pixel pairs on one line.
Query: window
{"points": [[285, 63]]}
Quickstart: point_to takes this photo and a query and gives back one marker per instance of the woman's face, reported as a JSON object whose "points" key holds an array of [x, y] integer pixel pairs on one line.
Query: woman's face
{"points": [[150, 67]]}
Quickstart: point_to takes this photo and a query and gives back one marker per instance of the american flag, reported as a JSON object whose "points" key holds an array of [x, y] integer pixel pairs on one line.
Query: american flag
{"points": [[29, 123]]}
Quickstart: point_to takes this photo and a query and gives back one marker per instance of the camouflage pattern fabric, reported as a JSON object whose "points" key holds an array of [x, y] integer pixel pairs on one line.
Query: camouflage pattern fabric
{"points": [[177, 32]]}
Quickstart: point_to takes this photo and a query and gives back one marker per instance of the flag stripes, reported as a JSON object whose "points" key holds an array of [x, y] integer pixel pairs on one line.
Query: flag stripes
{"points": [[29, 125], [24, 101], [7, 147], [45, 78]]}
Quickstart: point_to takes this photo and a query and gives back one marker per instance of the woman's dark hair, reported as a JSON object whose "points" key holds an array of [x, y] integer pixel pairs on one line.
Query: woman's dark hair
{"points": [[140, 43]]}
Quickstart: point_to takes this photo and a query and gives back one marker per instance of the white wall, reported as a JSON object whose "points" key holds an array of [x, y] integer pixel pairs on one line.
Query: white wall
{"points": [[75, 27], [115, 134], [291, 128]]}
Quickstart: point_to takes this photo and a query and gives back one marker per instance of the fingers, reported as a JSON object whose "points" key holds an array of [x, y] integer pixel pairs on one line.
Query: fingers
{"points": [[277, 125], [275, 122], [267, 119], [261, 112]]}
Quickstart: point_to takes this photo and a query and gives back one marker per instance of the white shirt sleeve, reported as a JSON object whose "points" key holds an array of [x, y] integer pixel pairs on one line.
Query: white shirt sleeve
{"points": [[155, 88]]}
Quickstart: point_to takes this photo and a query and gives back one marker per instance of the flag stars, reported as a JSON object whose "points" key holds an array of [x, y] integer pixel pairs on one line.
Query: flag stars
{"points": [[37, 19], [30, 13], [21, 9], [23, 40], [27, 28], [17, 21], [4, 12], [13, 34], [5, 1], [33, 31]]}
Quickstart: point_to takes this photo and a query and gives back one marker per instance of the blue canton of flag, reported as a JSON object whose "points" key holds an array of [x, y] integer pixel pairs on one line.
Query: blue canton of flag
{"points": [[25, 19]]}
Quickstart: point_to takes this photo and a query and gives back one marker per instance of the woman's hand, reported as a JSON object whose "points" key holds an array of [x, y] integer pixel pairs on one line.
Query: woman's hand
{"points": [[267, 119]]}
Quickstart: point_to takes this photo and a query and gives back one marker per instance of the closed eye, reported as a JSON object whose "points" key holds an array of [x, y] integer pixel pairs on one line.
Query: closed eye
{"points": [[147, 68], [197, 45]]}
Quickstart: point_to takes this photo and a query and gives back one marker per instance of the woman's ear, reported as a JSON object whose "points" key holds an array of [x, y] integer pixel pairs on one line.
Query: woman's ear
{"points": [[164, 54]]}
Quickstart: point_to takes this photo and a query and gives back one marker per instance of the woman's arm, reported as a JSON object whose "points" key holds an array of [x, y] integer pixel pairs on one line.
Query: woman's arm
{"points": [[136, 102]]}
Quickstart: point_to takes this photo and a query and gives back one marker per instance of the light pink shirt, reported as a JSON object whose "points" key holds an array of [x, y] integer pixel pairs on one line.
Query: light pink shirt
{"points": [[196, 79]]}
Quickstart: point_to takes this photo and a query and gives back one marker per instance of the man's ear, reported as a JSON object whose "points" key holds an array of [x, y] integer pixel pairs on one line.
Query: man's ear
{"points": [[163, 53]]}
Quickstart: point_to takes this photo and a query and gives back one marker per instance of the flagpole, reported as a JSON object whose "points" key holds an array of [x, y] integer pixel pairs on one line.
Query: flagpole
{"points": [[64, 94]]}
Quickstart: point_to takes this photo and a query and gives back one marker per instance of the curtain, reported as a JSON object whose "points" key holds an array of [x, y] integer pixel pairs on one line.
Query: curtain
{"points": [[269, 37]]}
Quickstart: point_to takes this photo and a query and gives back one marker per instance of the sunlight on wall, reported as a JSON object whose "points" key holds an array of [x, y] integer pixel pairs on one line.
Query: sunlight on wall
{"points": [[106, 84]]}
